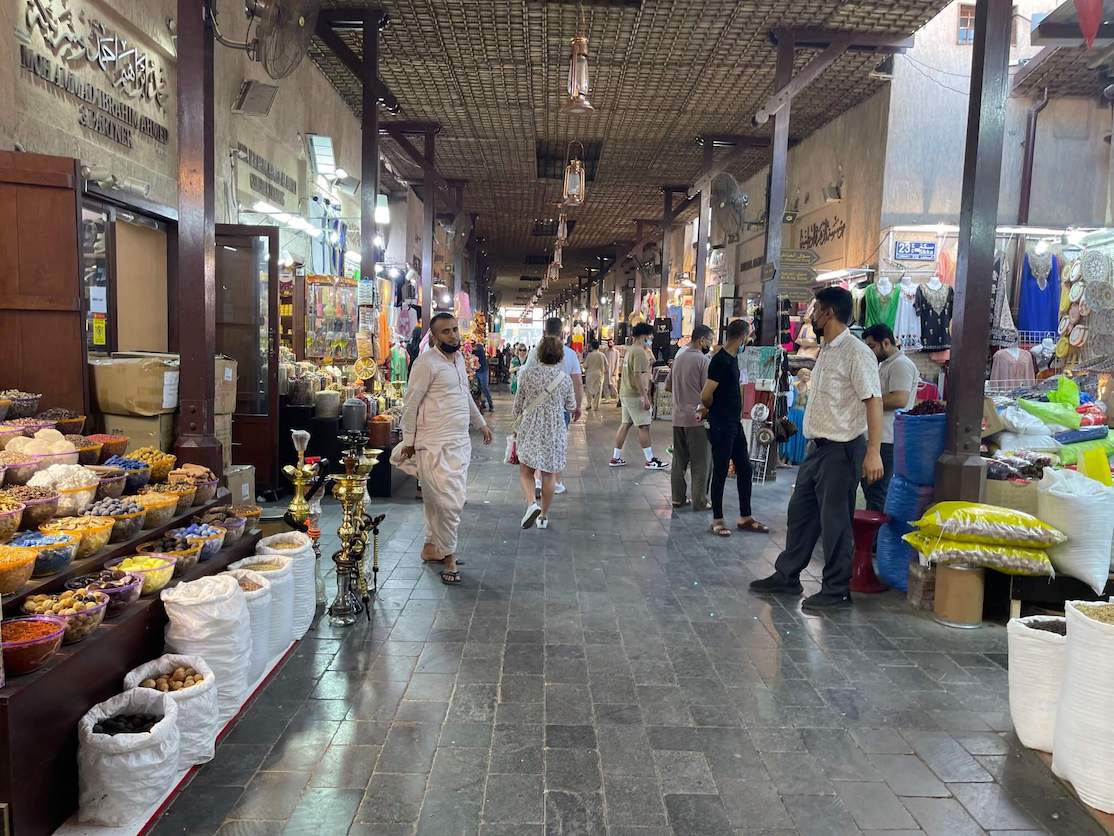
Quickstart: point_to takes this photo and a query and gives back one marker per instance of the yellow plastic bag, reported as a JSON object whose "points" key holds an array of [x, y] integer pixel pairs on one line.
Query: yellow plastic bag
{"points": [[1012, 560], [976, 522]]}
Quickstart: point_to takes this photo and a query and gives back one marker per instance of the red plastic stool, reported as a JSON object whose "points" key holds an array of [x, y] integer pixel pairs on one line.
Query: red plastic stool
{"points": [[865, 524]]}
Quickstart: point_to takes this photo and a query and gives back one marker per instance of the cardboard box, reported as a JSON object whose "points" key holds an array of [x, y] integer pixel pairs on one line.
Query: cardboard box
{"points": [[240, 479], [155, 431], [222, 429], [225, 377], [134, 386], [1019, 494]]}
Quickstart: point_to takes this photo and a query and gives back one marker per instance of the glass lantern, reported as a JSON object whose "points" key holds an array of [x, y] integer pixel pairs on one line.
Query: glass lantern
{"points": [[562, 229], [578, 87], [574, 189]]}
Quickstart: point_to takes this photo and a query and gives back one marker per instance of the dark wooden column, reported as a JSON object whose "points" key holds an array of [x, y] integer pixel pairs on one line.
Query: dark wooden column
{"points": [[703, 231], [196, 284], [429, 221], [369, 144], [775, 197], [666, 247], [960, 470]]}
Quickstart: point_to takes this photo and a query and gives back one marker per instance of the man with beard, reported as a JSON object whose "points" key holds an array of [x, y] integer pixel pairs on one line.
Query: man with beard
{"points": [[439, 410], [690, 440]]}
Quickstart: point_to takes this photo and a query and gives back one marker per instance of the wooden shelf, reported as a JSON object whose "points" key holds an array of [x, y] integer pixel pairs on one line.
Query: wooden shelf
{"points": [[39, 712]]}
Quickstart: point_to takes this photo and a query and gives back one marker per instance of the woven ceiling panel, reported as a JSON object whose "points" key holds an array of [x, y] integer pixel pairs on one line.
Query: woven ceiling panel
{"points": [[1064, 71], [491, 72]]}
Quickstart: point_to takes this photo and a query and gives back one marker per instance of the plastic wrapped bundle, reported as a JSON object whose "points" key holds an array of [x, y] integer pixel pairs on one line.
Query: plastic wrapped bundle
{"points": [[918, 442], [893, 556]]}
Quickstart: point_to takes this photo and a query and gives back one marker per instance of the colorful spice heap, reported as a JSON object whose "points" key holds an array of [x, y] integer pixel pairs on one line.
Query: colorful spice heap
{"points": [[1098, 612], [25, 631], [191, 473], [27, 493], [126, 463]]}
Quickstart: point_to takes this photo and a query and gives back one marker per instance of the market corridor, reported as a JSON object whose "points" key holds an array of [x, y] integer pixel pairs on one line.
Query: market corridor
{"points": [[613, 675]]}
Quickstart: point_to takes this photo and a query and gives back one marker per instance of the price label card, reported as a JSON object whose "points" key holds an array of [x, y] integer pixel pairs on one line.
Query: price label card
{"points": [[100, 331]]}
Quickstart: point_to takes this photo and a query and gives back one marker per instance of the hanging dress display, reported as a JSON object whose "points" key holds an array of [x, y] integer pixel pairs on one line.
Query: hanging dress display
{"points": [[1012, 364], [1039, 311], [881, 307], [1002, 328], [907, 325], [934, 307], [858, 304]]}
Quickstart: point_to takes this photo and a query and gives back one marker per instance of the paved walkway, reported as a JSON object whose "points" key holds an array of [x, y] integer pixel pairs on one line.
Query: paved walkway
{"points": [[612, 675]]}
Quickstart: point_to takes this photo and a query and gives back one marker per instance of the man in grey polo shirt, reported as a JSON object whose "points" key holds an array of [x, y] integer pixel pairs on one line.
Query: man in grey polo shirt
{"points": [[843, 422], [898, 376], [690, 440]]}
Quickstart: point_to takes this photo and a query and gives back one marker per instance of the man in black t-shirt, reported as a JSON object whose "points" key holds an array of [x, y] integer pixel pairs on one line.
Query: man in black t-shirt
{"points": [[722, 399]]}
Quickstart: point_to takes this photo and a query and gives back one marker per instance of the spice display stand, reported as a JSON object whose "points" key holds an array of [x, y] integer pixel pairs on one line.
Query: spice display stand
{"points": [[39, 712]]}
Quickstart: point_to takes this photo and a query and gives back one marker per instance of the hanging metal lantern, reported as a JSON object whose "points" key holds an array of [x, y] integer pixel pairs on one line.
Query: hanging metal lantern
{"points": [[557, 255], [578, 87], [575, 189], [562, 229]]}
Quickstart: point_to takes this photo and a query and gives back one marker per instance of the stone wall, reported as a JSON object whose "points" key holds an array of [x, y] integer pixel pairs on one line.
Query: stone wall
{"points": [[38, 116]]}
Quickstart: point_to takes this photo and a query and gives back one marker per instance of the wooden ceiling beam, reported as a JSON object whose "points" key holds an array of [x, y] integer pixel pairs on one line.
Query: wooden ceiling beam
{"points": [[881, 42], [328, 36], [447, 187]]}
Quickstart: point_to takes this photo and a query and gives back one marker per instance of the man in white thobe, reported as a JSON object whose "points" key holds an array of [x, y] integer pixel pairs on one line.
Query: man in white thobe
{"points": [[439, 410]]}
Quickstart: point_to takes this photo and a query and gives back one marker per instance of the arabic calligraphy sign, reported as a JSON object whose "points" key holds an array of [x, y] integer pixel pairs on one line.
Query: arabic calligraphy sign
{"points": [[79, 37], [823, 231]]}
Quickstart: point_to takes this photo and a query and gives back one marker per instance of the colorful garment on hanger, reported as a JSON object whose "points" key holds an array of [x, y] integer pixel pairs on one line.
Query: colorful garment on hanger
{"points": [[675, 317], [907, 325], [1012, 364], [934, 307], [945, 267], [881, 307], [1039, 310], [858, 304], [1002, 328]]}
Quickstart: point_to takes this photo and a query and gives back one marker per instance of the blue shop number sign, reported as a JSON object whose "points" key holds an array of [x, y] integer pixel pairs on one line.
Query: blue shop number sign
{"points": [[914, 250]]}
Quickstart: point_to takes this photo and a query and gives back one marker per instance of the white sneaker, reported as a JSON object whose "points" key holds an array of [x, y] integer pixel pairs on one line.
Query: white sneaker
{"points": [[543, 522], [559, 488], [531, 515]]}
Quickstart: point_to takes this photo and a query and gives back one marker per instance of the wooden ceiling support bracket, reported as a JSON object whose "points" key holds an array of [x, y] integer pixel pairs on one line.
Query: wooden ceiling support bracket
{"points": [[447, 187], [328, 36], [839, 44]]}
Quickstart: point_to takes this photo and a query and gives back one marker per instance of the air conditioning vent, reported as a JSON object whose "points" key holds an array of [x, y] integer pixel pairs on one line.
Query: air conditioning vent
{"points": [[255, 98]]}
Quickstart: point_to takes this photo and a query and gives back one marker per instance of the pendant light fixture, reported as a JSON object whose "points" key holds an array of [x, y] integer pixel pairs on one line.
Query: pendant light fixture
{"points": [[557, 255], [562, 229], [574, 190], [576, 100]]}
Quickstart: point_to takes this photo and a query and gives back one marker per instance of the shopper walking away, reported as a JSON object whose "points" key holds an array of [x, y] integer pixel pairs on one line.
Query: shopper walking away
{"points": [[435, 420], [843, 422], [690, 440], [634, 398], [595, 364], [517, 362], [610, 389], [898, 377], [483, 375], [545, 396], [722, 397], [571, 366]]}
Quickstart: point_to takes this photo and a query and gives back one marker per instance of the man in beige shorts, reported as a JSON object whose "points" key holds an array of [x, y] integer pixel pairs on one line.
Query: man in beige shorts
{"points": [[634, 398]]}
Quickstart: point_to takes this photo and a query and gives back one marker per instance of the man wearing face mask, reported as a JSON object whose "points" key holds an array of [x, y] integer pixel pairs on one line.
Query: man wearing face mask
{"points": [[634, 398], [690, 440], [439, 410], [843, 422]]}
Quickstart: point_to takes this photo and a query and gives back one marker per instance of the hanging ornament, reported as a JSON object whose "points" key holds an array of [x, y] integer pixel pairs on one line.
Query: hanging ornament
{"points": [[1090, 17], [574, 189], [578, 87], [557, 255], [562, 229]]}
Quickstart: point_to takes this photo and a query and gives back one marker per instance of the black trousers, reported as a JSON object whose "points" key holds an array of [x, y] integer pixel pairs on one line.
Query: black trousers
{"points": [[729, 444], [876, 494], [821, 508]]}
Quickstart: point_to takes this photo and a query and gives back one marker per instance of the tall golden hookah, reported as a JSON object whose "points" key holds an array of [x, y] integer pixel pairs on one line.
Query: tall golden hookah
{"points": [[350, 489]]}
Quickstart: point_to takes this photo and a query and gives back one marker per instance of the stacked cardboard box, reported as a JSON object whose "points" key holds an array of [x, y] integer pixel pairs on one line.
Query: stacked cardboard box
{"points": [[136, 395]]}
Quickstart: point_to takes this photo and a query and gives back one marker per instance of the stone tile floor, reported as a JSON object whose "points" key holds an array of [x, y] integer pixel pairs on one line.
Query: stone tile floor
{"points": [[613, 675]]}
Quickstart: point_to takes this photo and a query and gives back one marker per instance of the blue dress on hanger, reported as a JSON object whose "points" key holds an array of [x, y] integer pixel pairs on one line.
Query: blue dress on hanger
{"points": [[1040, 309]]}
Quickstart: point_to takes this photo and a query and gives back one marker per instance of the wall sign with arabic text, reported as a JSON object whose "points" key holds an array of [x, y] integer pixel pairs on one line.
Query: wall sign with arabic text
{"points": [[824, 232]]}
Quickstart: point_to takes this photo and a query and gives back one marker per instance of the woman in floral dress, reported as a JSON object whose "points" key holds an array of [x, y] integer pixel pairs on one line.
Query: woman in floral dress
{"points": [[544, 395]]}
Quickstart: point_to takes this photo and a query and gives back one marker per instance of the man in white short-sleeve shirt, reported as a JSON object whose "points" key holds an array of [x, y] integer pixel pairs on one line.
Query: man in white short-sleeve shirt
{"points": [[571, 365], [898, 376], [843, 422]]}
